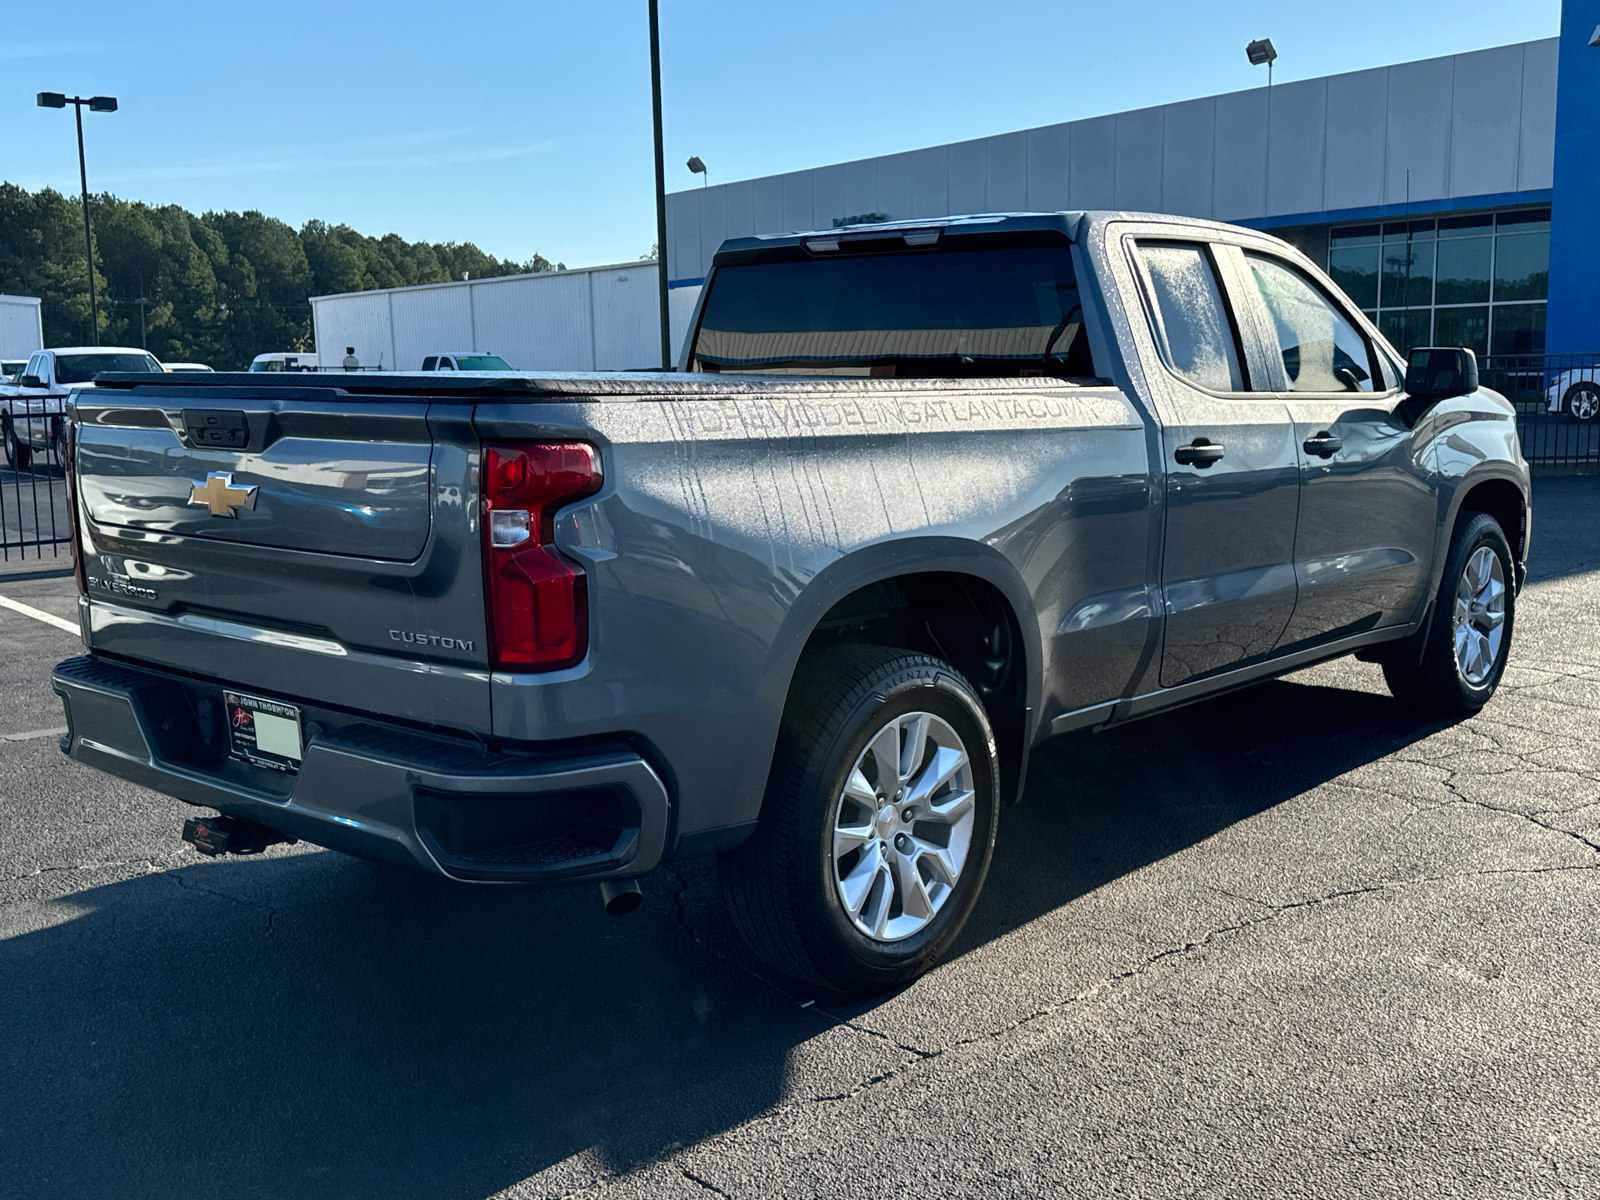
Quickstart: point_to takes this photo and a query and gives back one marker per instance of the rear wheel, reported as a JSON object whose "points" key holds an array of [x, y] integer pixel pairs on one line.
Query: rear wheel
{"points": [[878, 825], [1470, 638], [1583, 401], [18, 456]]}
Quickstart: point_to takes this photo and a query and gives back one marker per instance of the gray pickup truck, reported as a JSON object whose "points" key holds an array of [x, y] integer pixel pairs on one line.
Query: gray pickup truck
{"points": [[922, 496]]}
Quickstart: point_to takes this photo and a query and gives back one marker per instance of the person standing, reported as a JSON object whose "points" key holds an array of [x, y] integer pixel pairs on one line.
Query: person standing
{"points": [[351, 362]]}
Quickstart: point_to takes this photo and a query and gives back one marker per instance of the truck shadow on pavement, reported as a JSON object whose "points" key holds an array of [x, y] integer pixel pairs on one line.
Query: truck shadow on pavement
{"points": [[1101, 806], [305, 1024]]}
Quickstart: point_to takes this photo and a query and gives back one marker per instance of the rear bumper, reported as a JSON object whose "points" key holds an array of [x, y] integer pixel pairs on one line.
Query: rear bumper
{"points": [[451, 808]]}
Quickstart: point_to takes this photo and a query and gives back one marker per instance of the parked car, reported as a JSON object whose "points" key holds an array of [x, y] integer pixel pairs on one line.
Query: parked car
{"points": [[1577, 392], [32, 407], [1000, 478], [470, 361], [11, 368], [186, 366], [284, 360]]}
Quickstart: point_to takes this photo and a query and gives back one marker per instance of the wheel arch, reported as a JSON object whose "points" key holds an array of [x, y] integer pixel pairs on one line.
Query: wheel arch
{"points": [[854, 599], [1502, 495], [1498, 488]]}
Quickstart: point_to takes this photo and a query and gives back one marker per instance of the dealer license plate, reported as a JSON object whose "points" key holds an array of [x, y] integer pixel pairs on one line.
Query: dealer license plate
{"points": [[264, 732]]}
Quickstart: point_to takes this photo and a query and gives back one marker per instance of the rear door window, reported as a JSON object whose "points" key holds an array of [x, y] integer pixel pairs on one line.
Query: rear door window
{"points": [[1192, 323], [430, 362], [1010, 310]]}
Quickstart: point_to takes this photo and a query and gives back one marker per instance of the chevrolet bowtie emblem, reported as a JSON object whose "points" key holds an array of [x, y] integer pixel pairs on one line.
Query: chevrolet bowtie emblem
{"points": [[219, 495]]}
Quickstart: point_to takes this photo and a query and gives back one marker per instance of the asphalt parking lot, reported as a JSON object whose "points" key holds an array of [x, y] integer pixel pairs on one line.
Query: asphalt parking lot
{"points": [[1292, 942]]}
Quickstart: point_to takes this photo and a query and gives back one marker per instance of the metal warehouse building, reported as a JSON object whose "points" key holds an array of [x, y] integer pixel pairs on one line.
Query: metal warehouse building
{"points": [[602, 319], [1455, 199], [599, 319], [1433, 190]]}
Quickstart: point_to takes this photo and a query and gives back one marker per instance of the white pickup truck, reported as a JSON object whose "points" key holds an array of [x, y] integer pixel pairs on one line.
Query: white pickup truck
{"points": [[31, 407]]}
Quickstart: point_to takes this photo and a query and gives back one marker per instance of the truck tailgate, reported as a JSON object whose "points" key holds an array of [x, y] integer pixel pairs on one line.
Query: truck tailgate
{"points": [[298, 479], [301, 542]]}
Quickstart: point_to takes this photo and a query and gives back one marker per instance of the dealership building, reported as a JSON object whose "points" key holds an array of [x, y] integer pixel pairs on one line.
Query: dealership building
{"points": [[1454, 199]]}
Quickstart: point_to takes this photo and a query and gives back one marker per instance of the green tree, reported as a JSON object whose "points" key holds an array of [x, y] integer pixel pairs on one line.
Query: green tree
{"points": [[217, 288]]}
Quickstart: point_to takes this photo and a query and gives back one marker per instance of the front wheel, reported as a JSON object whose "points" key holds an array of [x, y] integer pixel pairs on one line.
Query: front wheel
{"points": [[878, 824], [1470, 637], [1582, 401]]}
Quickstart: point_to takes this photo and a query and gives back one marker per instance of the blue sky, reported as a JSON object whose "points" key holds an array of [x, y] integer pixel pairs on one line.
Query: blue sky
{"points": [[526, 127]]}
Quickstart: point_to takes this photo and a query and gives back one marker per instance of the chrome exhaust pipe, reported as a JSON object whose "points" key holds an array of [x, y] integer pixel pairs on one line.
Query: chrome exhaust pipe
{"points": [[621, 896]]}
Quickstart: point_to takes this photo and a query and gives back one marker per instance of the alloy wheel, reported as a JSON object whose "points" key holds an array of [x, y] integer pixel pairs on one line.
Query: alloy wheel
{"points": [[1583, 402], [903, 826], [1480, 616]]}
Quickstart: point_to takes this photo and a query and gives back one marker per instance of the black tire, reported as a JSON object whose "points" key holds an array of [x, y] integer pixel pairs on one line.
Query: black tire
{"points": [[58, 441], [1437, 684], [18, 456], [1582, 401], [780, 887]]}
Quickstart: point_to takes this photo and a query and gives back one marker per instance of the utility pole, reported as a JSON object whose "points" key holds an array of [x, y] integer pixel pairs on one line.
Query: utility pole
{"points": [[661, 187]]}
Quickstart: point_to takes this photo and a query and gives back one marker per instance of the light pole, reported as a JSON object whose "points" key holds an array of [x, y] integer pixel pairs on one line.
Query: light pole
{"points": [[661, 187], [698, 167], [1262, 51], [96, 104]]}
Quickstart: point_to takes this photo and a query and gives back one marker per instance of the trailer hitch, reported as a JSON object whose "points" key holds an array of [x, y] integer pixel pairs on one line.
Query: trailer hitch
{"points": [[230, 835]]}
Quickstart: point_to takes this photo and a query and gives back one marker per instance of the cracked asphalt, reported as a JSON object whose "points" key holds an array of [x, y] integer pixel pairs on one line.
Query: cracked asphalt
{"points": [[1291, 942]]}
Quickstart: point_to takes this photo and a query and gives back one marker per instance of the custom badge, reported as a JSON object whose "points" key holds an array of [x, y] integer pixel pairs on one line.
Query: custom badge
{"points": [[219, 495]]}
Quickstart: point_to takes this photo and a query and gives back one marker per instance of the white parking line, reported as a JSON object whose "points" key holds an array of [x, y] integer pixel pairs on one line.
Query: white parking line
{"points": [[31, 734], [28, 610]]}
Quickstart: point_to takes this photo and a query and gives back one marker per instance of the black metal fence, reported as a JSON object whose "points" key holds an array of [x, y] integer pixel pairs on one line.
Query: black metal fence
{"points": [[33, 489], [1557, 397]]}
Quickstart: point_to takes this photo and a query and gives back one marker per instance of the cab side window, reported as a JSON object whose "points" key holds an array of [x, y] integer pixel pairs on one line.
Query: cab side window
{"points": [[430, 363], [1322, 349], [1191, 322]]}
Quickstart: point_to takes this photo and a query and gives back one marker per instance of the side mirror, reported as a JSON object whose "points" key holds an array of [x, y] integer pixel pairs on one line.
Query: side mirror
{"points": [[29, 381], [1437, 373]]}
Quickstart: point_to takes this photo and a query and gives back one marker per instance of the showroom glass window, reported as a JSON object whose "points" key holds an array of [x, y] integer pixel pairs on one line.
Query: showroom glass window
{"points": [[1478, 280]]}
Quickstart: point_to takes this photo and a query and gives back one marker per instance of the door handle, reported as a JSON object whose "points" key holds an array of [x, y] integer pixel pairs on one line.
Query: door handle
{"points": [[1200, 453], [1324, 444]]}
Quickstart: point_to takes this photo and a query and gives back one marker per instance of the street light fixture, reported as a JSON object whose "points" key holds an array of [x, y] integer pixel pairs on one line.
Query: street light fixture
{"points": [[698, 167], [96, 104], [1261, 51]]}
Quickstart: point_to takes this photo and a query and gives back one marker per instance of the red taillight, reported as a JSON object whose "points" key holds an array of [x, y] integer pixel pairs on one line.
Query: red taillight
{"points": [[538, 606]]}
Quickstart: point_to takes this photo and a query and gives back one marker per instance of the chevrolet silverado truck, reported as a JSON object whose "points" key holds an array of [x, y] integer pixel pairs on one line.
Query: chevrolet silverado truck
{"points": [[33, 407], [921, 496]]}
